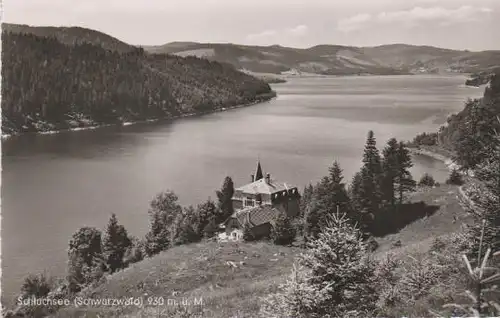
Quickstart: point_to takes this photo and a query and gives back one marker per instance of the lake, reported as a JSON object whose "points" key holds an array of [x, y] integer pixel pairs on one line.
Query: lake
{"points": [[55, 184]]}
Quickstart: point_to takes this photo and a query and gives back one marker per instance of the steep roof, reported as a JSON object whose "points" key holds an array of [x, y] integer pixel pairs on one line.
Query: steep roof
{"points": [[264, 187], [258, 172], [255, 216]]}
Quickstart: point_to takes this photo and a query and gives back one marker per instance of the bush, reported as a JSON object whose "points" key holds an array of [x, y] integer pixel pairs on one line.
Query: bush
{"points": [[247, 233], [37, 286], [455, 178], [135, 252], [427, 181]]}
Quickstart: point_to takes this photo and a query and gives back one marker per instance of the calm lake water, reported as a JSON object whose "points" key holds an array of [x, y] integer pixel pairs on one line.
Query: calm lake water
{"points": [[54, 184]]}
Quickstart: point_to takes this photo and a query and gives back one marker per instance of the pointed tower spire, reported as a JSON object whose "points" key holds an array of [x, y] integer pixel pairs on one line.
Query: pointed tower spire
{"points": [[258, 173]]}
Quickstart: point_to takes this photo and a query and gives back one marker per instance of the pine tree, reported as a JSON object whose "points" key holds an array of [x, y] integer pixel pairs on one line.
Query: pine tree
{"points": [[283, 232], [370, 195], [305, 199], [391, 171], [334, 278], [225, 196], [355, 191], [404, 180], [338, 196], [329, 195], [115, 244]]}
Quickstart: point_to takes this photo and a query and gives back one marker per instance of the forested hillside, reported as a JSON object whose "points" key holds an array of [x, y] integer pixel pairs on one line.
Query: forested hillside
{"points": [[470, 133], [48, 85], [71, 36], [326, 59]]}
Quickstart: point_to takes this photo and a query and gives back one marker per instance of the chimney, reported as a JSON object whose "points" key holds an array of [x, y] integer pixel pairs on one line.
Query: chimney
{"points": [[253, 177], [268, 178]]}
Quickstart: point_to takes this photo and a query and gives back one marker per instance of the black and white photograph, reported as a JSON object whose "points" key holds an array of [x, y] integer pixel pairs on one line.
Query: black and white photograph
{"points": [[250, 159]]}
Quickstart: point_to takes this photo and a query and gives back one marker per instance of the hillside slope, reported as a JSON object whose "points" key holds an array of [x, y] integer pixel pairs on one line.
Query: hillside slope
{"points": [[469, 132], [225, 280], [338, 59], [205, 279], [324, 59], [48, 85]]}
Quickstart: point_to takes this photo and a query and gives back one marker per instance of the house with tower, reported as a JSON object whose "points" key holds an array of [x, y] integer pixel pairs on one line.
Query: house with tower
{"points": [[258, 204]]}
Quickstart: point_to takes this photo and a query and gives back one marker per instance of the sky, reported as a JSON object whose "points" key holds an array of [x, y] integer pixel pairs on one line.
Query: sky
{"points": [[457, 24]]}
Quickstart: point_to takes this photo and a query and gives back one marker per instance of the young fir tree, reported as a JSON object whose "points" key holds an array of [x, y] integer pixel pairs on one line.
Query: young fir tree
{"points": [[163, 211], [115, 244], [225, 199], [334, 278], [404, 179], [329, 195]]}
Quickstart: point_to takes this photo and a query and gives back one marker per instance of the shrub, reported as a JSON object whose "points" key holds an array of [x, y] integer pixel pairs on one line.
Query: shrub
{"points": [[247, 233], [483, 279], [455, 178], [36, 286], [427, 181], [135, 252]]}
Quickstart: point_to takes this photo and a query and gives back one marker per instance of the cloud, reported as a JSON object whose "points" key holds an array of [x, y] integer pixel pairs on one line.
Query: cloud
{"points": [[273, 36], [299, 30], [354, 23], [264, 35], [414, 17], [419, 14]]}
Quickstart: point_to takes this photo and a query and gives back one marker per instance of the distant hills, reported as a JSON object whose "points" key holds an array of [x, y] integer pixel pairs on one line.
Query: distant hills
{"points": [[275, 59], [338, 59], [60, 78]]}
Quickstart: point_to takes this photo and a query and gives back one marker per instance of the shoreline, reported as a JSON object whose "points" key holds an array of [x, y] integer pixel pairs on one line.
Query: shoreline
{"points": [[129, 123], [435, 155], [469, 179]]}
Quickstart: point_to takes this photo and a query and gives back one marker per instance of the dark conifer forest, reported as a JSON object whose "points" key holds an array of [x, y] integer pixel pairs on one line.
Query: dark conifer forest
{"points": [[48, 85]]}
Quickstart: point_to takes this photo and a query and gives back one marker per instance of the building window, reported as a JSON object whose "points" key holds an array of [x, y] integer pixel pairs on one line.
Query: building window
{"points": [[249, 201]]}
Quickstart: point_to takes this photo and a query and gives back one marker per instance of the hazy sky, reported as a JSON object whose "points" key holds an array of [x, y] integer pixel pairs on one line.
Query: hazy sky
{"points": [[462, 24]]}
